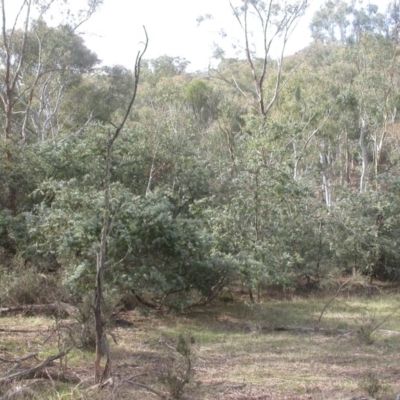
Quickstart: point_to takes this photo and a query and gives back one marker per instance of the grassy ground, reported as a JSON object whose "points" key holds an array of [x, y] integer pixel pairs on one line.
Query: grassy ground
{"points": [[238, 354]]}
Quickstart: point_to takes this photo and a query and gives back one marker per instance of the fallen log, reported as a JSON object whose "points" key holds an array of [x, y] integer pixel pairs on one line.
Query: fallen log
{"points": [[6, 330], [60, 309], [309, 329]]}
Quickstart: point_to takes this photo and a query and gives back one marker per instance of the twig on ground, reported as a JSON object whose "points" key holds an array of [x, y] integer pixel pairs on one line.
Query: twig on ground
{"points": [[32, 371], [233, 387], [134, 377], [148, 388]]}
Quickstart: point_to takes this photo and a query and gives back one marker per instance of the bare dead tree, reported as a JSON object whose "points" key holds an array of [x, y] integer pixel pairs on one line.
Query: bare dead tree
{"points": [[101, 339]]}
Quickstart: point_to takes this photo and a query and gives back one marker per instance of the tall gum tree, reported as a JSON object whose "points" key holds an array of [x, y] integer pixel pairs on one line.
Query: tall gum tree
{"points": [[270, 23], [369, 43], [17, 29], [56, 61]]}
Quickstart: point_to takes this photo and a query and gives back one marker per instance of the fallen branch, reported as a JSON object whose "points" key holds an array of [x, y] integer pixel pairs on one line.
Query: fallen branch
{"points": [[234, 387], [305, 329], [333, 298], [387, 332], [144, 302], [109, 381], [20, 391], [148, 388], [5, 330], [54, 376], [19, 360], [64, 309], [32, 371], [309, 329]]}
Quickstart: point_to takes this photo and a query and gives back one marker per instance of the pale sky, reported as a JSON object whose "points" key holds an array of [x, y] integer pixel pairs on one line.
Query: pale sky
{"points": [[115, 32]]}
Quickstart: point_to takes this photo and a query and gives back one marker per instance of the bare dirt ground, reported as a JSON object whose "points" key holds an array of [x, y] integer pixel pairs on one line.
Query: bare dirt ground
{"points": [[272, 350]]}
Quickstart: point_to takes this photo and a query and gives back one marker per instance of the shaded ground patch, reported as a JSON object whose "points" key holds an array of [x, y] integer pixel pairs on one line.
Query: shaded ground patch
{"points": [[231, 362]]}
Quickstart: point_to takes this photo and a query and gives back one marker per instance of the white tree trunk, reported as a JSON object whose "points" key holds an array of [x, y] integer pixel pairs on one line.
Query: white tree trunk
{"points": [[364, 155]]}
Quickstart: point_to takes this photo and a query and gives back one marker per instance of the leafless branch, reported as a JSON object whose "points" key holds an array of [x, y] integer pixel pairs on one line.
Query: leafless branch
{"points": [[101, 339], [341, 286], [19, 360], [235, 85], [136, 84], [271, 30], [148, 388], [37, 368]]}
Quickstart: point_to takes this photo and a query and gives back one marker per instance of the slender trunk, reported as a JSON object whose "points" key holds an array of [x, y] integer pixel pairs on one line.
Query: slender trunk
{"points": [[326, 183], [319, 254], [347, 160], [296, 162], [256, 208], [8, 115], [230, 141], [101, 339], [364, 155], [377, 161]]}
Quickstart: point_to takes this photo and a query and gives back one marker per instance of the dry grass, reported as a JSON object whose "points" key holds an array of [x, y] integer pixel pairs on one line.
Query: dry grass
{"points": [[236, 357]]}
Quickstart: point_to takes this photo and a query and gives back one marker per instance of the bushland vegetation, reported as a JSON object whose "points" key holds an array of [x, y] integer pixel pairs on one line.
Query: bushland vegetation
{"points": [[164, 190]]}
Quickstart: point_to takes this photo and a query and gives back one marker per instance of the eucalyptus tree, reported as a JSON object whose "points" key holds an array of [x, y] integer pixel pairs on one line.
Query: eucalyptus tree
{"points": [[19, 32], [15, 49], [331, 22], [369, 43], [357, 52], [272, 23], [56, 61]]}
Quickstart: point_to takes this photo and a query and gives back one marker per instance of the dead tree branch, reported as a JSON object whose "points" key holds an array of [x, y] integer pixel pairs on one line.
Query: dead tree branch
{"points": [[32, 371], [148, 388], [19, 360], [333, 298], [51, 308], [101, 339]]}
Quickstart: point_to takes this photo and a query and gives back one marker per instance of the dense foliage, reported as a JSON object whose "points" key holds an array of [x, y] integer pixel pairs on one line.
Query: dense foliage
{"points": [[206, 187]]}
